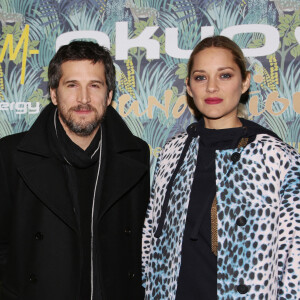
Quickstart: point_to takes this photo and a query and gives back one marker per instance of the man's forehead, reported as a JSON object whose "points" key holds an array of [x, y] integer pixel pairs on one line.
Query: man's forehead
{"points": [[81, 68], [81, 62], [82, 72]]}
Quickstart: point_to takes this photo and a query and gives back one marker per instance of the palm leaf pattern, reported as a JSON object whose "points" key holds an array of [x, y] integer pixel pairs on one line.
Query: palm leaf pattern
{"points": [[139, 78]]}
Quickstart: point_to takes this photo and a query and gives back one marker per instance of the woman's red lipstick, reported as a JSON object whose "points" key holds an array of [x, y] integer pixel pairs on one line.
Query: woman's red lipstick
{"points": [[214, 100]]}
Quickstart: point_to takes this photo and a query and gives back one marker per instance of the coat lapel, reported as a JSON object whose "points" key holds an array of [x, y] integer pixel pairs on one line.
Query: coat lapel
{"points": [[46, 180], [120, 175], [121, 168], [43, 174]]}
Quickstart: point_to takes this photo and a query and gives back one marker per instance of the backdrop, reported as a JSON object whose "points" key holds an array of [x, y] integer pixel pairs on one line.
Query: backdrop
{"points": [[150, 42]]}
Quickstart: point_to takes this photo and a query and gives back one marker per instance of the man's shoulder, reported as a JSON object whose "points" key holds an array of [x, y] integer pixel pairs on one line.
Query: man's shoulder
{"points": [[141, 151], [140, 142], [10, 142], [119, 133]]}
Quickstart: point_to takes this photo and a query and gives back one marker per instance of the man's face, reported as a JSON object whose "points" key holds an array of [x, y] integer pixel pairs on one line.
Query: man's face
{"points": [[81, 96]]}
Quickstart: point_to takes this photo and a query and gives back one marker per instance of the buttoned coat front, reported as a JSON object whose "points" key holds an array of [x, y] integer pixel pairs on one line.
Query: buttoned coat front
{"points": [[258, 219], [40, 252]]}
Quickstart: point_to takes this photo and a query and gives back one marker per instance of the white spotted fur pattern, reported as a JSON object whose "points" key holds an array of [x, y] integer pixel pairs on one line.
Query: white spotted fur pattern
{"points": [[264, 187]]}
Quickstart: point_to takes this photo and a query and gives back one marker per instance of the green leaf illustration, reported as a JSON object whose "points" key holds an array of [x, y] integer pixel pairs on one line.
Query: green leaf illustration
{"points": [[182, 71], [38, 96], [256, 43], [296, 51], [44, 74]]}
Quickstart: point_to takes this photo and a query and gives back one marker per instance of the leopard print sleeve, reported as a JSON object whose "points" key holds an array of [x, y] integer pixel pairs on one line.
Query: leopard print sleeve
{"points": [[289, 230], [148, 228]]}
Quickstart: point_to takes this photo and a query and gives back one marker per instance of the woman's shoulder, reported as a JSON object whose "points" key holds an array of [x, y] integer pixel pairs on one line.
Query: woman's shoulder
{"points": [[271, 144], [267, 139], [176, 140], [173, 147], [179, 139]]}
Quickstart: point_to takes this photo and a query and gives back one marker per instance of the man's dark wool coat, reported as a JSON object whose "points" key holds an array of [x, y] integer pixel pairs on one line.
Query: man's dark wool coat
{"points": [[40, 253]]}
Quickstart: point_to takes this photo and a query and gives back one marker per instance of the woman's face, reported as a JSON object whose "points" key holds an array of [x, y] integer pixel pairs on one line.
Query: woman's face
{"points": [[216, 86]]}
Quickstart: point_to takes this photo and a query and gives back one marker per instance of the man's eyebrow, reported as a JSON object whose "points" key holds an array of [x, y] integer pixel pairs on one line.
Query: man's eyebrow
{"points": [[97, 81], [76, 81], [70, 81]]}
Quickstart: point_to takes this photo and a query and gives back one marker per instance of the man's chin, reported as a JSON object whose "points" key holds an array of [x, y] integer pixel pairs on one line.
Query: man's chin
{"points": [[81, 124], [82, 127], [84, 130]]}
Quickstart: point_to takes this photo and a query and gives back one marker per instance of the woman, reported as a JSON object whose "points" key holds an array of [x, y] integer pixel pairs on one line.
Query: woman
{"points": [[224, 211]]}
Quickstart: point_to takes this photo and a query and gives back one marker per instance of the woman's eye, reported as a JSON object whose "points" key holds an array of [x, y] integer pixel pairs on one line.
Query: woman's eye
{"points": [[226, 76], [200, 77]]}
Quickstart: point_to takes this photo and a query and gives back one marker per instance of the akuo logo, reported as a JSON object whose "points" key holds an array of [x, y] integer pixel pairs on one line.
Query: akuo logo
{"points": [[152, 46], [21, 108]]}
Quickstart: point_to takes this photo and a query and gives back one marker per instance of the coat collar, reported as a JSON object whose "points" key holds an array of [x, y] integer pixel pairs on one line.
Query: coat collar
{"points": [[119, 136], [44, 175], [36, 139]]}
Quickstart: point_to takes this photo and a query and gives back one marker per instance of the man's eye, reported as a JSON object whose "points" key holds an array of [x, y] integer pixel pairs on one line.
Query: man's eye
{"points": [[95, 85], [71, 85]]}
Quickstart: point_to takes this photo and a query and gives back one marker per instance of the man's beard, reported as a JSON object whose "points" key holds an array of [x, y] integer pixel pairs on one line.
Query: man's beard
{"points": [[81, 127]]}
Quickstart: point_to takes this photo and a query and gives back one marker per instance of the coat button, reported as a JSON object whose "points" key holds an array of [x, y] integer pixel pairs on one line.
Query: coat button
{"points": [[235, 157], [242, 289], [131, 275], [127, 231], [241, 221], [39, 236], [32, 278]]}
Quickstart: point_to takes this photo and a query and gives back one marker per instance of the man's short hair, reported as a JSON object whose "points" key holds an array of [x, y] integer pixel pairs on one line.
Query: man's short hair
{"points": [[81, 50]]}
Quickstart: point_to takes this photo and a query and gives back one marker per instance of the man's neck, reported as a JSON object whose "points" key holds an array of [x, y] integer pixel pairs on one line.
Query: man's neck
{"points": [[82, 141]]}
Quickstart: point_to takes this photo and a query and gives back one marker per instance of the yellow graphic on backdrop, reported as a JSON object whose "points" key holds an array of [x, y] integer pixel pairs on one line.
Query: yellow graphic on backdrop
{"points": [[126, 105], [1, 83], [23, 42]]}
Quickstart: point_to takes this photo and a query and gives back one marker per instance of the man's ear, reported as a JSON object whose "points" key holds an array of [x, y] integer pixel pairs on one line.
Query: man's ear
{"points": [[109, 98], [53, 96], [246, 83], [188, 88]]}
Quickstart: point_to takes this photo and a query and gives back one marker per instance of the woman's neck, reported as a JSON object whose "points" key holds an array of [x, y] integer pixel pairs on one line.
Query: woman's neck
{"points": [[222, 123]]}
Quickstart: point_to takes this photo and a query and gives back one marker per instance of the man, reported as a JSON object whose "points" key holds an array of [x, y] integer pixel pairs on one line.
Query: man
{"points": [[74, 190]]}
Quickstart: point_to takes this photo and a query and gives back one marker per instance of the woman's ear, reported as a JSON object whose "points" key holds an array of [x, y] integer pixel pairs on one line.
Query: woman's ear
{"points": [[246, 83], [188, 88]]}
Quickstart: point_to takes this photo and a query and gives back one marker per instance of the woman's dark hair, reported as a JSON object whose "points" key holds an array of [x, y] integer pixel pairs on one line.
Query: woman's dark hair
{"points": [[223, 42], [81, 50]]}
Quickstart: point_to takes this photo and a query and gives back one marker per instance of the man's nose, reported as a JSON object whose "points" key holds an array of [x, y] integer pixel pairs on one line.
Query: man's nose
{"points": [[84, 96]]}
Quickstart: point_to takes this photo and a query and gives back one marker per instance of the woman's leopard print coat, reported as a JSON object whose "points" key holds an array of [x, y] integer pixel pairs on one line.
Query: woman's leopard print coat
{"points": [[263, 186]]}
